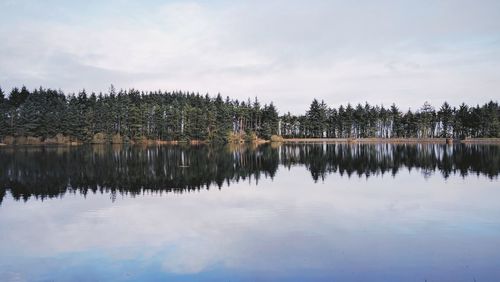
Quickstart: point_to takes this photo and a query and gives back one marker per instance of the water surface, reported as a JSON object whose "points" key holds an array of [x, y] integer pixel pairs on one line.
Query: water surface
{"points": [[321, 212]]}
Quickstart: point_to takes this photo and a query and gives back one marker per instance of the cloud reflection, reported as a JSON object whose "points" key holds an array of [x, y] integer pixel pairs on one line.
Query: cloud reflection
{"points": [[284, 227]]}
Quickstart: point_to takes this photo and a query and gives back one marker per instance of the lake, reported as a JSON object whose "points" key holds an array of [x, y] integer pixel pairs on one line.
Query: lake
{"points": [[315, 212]]}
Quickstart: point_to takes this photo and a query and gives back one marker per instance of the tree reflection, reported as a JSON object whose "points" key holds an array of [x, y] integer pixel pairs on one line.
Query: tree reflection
{"points": [[365, 160], [46, 172]]}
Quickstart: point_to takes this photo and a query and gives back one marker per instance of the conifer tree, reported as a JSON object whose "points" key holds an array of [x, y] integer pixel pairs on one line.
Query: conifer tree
{"points": [[188, 116]]}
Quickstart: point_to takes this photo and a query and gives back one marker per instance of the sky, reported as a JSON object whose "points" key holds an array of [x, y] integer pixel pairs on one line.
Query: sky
{"points": [[286, 52]]}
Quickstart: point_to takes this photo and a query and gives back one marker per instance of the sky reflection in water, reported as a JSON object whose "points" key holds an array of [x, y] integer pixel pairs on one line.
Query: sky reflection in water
{"points": [[405, 227]]}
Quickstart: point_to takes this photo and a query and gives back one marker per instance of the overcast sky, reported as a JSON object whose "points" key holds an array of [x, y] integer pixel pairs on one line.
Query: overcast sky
{"points": [[288, 52]]}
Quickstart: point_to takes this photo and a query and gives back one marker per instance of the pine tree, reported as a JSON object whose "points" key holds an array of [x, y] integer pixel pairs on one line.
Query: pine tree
{"points": [[445, 115], [492, 119], [30, 112], [316, 118], [187, 116], [397, 129], [2, 96], [17, 97], [3, 115], [426, 120]]}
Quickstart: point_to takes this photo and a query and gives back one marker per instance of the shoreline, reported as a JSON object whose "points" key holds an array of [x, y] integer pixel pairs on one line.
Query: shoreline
{"points": [[394, 140], [492, 141]]}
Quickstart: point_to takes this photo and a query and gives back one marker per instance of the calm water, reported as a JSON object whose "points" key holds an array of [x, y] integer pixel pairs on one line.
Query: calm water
{"points": [[293, 212]]}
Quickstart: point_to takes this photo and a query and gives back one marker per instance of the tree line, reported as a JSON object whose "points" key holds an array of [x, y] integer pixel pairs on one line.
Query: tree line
{"points": [[183, 116], [133, 114], [367, 121]]}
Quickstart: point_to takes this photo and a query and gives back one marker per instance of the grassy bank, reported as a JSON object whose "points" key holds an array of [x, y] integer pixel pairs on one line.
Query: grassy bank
{"points": [[103, 139], [235, 139]]}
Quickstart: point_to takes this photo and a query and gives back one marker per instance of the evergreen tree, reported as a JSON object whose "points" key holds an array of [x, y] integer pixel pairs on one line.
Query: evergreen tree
{"points": [[426, 120], [270, 121], [188, 116], [317, 118], [397, 129], [461, 122], [2, 96], [445, 115], [3, 115]]}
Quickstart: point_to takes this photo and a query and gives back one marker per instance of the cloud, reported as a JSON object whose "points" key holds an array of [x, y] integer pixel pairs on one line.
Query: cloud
{"points": [[282, 51]]}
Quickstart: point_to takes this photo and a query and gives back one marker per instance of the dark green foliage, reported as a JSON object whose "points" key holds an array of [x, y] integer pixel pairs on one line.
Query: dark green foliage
{"points": [[397, 121], [445, 115], [188, 116], [270, 121], [375, 121], [133, 115], [3, 114], [17, 97], [316, 118]]}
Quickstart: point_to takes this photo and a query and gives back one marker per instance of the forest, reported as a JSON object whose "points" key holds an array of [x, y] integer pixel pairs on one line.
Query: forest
{"points": [[122, 116]]}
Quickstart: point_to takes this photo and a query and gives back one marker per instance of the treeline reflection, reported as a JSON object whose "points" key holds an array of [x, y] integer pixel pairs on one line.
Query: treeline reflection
{"points": [[46, 172]]}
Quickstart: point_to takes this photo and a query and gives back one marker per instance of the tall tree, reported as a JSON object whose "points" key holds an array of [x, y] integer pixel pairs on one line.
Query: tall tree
{"points": [[445, 115]]}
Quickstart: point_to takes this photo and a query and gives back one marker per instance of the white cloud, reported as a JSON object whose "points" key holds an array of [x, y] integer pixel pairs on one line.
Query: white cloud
{"points": [[281, 51]]}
